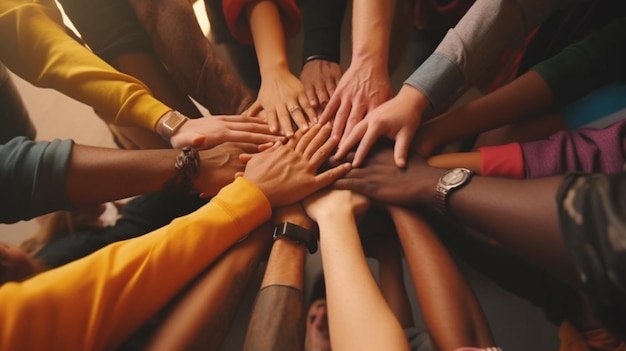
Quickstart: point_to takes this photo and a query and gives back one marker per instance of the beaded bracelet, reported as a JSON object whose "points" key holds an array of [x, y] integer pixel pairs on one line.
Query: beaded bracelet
{"points": [[187, 167]]}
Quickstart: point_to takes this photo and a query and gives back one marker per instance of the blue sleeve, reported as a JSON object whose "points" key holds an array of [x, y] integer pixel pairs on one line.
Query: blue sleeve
{"points": [[32, 178]]}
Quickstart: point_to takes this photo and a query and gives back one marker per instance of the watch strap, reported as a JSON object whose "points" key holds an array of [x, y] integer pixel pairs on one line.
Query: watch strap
{"points": [[296, 233]]}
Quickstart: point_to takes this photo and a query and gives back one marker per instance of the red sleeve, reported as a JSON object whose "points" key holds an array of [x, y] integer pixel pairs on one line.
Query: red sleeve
{"points": [[237, 19], [502, 161]]}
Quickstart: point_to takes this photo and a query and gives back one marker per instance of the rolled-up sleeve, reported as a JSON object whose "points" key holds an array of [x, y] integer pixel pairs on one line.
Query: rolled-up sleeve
{"points": [[32, 178]]}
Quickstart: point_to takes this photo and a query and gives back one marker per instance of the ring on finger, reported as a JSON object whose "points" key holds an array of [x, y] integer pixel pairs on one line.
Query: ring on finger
{"points": [[293, 109]]}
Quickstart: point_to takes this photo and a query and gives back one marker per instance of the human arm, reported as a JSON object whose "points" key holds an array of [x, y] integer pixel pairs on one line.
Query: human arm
{"points": [[190, 58], [321, 51], [466, 51], [281, 96], [37, 48], [586, 65], [141, 275], [519, 214], [382, 244], [451, 310], [203, 316], [358, 315], [40, 177], [524, 97], [366, 83], [277, 321]]}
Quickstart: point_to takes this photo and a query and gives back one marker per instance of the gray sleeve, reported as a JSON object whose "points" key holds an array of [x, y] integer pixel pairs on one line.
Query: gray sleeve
{"points": [[32, 178], [480, 37]]}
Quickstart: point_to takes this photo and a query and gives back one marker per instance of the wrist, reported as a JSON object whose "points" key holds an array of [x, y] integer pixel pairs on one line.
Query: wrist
{"points": [[296, 234], [277, 67], [170, 123], [414, 97]]}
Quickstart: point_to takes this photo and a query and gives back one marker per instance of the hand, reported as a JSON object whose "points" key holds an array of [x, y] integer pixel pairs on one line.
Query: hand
{"points": [[320, 79], [206, 132], [335, 202], [281, 98], [287, 173], [219, 165], [359, 91], [396, 119], [381, 180]]}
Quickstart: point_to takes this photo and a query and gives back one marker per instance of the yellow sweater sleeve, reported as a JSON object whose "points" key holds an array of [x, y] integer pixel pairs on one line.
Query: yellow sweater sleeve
{"points": [[36, 47], [98, 301]]}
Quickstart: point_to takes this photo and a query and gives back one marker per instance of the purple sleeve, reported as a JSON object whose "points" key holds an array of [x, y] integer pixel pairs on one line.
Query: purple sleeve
{"points": [[585, 150]]}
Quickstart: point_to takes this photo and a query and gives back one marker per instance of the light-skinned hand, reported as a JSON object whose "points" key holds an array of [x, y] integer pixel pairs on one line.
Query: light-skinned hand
{"points": [[288, 173], [209, 131], [396, 119], [335, 203], [361, 89], [281, 98]]}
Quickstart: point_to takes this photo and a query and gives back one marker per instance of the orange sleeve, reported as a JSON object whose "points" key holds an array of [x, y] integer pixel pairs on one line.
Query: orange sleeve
{"points": [[502, 161], [237, 19]]}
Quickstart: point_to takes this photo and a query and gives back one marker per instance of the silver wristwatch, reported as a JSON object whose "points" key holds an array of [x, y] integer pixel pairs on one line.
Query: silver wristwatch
{"points": [[171, 123], [450, 181]]}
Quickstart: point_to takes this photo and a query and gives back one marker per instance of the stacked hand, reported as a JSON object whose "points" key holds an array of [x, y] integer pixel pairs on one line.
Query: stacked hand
{"points": [[359, 91], [320, 79], [206, 132], [396, 119], [287, 173], [281, 98]]}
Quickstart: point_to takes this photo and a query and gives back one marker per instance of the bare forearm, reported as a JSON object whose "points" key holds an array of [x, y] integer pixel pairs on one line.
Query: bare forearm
{"points": [[278, 310], [350, 286], [519, 214], [371, 30], [97, 175], [393, 289], [269, 36], [522, 98], [452, 313]]}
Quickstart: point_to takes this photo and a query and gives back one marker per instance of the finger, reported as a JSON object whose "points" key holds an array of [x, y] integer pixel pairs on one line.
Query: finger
{"points": [[244, 158], [311, 95], [238, 174], [248, 137], [322, 95], [254, 109], [326, 178], [400, 150], [356, 116], [353, 184], [306, 138], [320, 148], [308, 109], [340, 119], [369, 139], [272, 121], [284, 120], [330, 110], [298, 116], [265, 146], [348, 143]]}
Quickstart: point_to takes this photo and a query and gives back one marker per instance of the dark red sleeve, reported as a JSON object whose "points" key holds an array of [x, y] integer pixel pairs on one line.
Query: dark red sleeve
{"points": [[237, 19], [502, 161]]}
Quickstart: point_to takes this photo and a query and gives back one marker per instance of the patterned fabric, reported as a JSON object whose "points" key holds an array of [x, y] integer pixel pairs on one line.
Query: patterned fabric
{"points": [[592, 214]]}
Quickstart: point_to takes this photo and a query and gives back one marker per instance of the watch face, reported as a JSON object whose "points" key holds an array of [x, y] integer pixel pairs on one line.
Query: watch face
{"points": [[453, 177]]}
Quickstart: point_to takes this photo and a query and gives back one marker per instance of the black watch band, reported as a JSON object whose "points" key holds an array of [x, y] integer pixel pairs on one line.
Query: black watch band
{"points": [[296, 233]]}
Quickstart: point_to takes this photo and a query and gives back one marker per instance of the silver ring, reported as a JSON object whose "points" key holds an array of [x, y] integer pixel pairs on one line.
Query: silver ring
{"points": [[293, 109]]}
